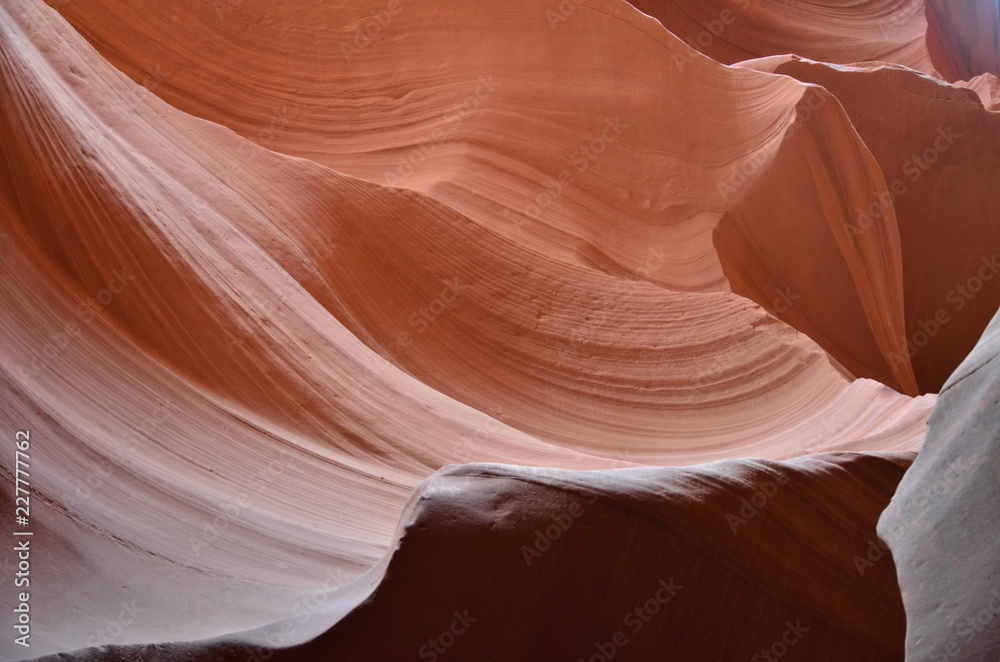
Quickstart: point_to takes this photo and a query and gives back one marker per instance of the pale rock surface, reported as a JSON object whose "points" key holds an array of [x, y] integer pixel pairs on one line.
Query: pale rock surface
{"points": [[942, 522]]}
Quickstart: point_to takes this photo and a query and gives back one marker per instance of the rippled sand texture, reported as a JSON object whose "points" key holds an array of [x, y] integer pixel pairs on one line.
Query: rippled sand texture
{"points": [[269, 269]]}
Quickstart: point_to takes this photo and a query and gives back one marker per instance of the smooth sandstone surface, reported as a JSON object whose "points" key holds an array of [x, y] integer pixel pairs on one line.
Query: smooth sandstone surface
{"points": [[267, 268], [495, 562], [937, 149], [497, 133], [835, 31]]}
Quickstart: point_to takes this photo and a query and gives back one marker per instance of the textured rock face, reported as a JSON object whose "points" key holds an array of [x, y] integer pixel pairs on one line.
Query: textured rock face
{"points": [[941, 525], [938, 151], [756, 552], [267, 268]]}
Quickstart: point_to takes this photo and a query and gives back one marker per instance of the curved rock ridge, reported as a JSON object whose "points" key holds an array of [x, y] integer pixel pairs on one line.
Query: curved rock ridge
{"points": [[499, 137], [937, 149], [520, 317], [941, 524], [835, 31], [492, 562], [546, 173], [203, 422], [787, 244]]}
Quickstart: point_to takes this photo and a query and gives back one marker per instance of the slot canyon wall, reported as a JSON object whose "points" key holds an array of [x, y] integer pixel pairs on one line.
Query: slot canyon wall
{"points": [[539, 329]]}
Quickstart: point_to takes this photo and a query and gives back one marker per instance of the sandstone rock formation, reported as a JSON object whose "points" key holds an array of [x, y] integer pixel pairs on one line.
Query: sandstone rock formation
{"points": [[937, 150], [941, 523], [764, 555], [269, 270]]}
